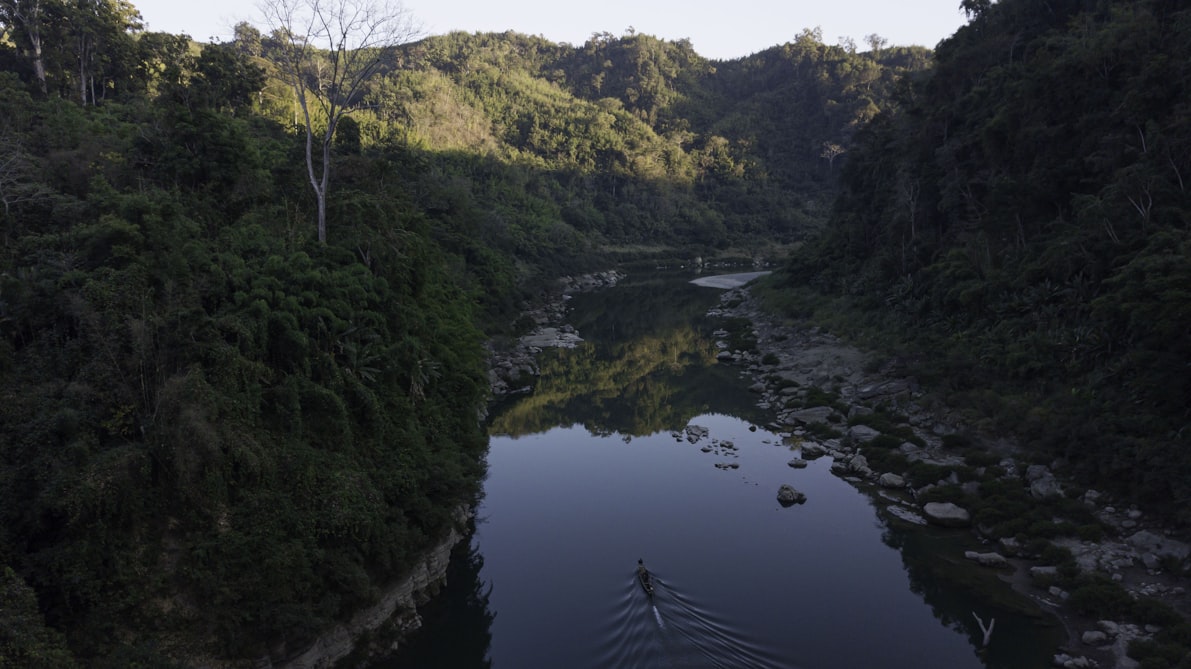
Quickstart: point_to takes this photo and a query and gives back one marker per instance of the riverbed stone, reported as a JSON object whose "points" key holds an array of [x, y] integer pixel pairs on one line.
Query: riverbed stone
{"points": [[859, 465], [1045, 487], [863, 433], [819, 415], [797, 463], [993, 559], [811, 450], [908, 515], [947, 514], [1094, 638], [1159, 545], [787, 495], [1044, 571]]}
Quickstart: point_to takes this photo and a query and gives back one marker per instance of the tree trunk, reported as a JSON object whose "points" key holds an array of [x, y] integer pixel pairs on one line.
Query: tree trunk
{"points": [[38, 62]]}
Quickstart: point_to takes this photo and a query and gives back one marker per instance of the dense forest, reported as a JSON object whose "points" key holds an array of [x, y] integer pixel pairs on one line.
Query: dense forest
{"points": [[1017, 225], [219, 435]]}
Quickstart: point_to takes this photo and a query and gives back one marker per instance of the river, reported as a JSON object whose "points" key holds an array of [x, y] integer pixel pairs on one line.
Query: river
{"points": [[595, 470]]}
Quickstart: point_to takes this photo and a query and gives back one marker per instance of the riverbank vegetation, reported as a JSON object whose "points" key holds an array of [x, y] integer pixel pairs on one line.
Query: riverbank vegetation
{"points": [[221, 435], [1014, 231], [1016, 228]]}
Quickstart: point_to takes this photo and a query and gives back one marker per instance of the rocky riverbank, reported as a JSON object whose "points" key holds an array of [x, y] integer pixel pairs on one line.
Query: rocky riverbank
{"points": [[384, 624], [513, 366], [835, 401]]}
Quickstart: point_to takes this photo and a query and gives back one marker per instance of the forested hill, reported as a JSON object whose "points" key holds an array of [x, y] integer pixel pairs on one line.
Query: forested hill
{"points": [[218, 436], [1020, 223], [636, 140]]}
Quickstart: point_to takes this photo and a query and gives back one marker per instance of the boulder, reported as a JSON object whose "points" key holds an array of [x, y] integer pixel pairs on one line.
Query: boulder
{"points": [[859, 465], [797, 463], [1094, 638], [1045, 486], [1035, 472], [863, 433], [787, 495], [1044, 572], [905, 514], [891, 480], [812, 449], [810, 416], [947, 514], [1010, 545], [995, 560], [1159, 545], [890, 388]]}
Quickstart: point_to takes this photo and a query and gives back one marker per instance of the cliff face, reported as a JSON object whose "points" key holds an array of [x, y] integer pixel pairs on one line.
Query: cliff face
{"points": [[396, 609]]}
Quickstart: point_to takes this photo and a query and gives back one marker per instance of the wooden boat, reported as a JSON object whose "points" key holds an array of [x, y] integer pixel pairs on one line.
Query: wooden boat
{"points": [[646, 580]]}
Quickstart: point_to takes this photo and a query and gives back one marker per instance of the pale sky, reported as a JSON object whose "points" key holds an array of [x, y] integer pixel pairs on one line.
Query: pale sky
{"points": [[718, 29]]}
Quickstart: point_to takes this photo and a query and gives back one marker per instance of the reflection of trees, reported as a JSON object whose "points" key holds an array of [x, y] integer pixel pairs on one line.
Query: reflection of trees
{"points": [[954, 587], [645, 367], [456, 625], [641, 389]]}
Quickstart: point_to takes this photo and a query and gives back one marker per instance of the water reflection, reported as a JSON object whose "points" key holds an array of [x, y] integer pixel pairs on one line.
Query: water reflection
{"points": [[456, 625], [957, 592], [647, 365], [546, 579]]}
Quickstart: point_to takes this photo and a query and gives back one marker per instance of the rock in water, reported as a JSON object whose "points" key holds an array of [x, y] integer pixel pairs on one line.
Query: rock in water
{"points": [[787, 496], [947, 514]]}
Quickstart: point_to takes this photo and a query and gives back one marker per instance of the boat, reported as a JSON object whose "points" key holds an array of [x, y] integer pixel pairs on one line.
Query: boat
{"points": [[645, 579]]}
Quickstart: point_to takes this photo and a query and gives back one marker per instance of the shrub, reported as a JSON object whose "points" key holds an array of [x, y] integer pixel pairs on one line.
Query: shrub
{"points": [[824, 431], [1101, 598], [978, 458], [956, 441], [883, 459], [923, 473], [885, 442]]}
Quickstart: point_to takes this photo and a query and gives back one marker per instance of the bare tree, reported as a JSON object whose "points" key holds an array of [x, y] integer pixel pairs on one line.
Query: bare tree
{"points": [[329, 49], [26, 16]]}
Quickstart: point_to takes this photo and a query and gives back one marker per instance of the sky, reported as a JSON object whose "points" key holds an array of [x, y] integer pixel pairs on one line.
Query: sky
{"points": [[718, 29]]}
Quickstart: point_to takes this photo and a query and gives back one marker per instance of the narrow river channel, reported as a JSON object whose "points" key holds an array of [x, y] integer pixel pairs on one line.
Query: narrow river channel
{"points": [[596, 469]]}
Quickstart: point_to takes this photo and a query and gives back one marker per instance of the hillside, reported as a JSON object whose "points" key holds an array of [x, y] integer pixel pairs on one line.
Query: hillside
{"points": [[221, 435], [1016, 225]]}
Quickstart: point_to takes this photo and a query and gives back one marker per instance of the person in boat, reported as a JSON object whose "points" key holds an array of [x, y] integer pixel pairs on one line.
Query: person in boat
{"points": [[642, 572]]}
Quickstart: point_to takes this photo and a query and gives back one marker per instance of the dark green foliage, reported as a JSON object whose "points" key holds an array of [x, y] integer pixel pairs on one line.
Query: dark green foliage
{"points": [[1017, 225], [885, 442], [199, 405], [893, 428], [924, 473], [25, 641], [1169, 649], [885, 459], [1101, 598], [956, 441]]}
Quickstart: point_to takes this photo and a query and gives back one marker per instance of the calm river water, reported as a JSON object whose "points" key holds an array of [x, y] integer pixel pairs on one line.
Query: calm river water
{"points": [[587, 475]]}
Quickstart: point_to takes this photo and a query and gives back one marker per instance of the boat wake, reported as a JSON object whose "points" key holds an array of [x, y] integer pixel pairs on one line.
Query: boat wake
{"points": [[682, 633]]}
